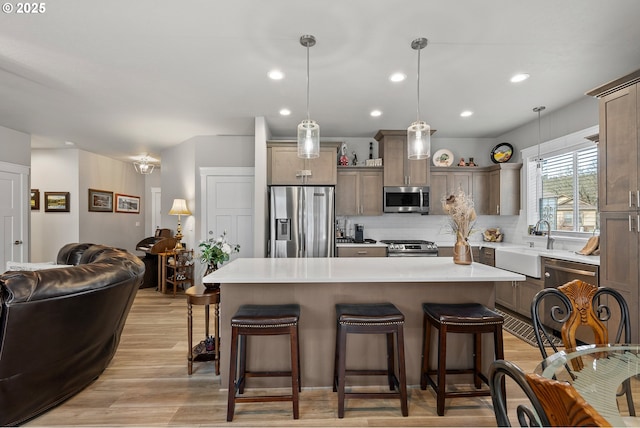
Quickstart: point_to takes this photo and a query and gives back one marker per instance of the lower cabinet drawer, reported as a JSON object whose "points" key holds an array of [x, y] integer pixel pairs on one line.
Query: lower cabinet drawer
{"points": [[362, 252]]}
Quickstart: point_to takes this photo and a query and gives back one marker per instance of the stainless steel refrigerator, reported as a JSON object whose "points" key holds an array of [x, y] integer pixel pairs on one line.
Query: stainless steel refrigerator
{"points": [[301, 221]]}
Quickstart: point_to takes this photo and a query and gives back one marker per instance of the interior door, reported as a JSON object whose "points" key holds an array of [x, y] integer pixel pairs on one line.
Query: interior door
{"points": [[13, 212], [229, 207]]}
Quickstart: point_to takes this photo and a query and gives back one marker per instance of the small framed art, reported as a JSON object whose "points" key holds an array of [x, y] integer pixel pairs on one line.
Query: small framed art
{"points": [[100, 201], [35, 199], [127, 204], [56, 202]]}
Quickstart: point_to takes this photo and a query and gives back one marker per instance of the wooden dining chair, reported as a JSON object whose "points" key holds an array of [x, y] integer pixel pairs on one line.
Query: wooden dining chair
{"points": [[578, 304], [553, 403]]}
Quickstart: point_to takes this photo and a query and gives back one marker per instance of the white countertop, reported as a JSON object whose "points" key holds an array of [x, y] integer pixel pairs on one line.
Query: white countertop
{"points": [[357, 270], [543, 252]]}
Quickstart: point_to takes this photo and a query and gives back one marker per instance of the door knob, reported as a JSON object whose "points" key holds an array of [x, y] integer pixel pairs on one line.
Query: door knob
{"points": [[17, 243]]}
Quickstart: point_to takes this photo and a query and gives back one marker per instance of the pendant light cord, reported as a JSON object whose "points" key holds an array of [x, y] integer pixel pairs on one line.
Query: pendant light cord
{"points": [[308, 115], [418, 106]]}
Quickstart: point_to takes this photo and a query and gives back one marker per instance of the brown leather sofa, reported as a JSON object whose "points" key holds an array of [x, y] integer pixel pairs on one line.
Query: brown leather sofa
{"points": [[60, 328]]}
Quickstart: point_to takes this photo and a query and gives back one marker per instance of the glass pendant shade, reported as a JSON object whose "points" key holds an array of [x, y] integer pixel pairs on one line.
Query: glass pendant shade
{"points": [[308, 139], [419, 141]]}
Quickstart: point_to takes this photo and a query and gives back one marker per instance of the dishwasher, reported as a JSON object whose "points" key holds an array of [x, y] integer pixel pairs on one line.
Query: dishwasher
{"points": [[557, 273]]}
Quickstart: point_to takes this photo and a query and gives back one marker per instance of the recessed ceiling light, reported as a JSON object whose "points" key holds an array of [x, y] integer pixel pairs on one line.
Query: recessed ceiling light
{"points": [[69, 143], [466, 113], [375, 113], [285, 112], [519, 77], [397, 77], [276, 75]]}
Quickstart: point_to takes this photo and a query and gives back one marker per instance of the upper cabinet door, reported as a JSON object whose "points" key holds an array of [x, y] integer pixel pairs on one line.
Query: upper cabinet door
{"points": [[398, 169], [618, 151], [286, 168]]}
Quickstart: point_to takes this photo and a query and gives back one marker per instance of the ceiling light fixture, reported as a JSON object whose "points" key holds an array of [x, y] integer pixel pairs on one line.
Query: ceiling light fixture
{"points": [[308, 130], [376, 113], [276, 75], [466, 113], [419, 133], [285, 112], [397, 77], [143, 166], [521, 77]]}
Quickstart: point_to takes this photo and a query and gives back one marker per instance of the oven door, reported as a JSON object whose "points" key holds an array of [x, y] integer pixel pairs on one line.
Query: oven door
{"points": [[406, 200]]}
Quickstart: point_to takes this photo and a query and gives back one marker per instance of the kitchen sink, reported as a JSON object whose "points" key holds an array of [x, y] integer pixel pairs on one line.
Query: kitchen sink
{"points": [[522, 260]]}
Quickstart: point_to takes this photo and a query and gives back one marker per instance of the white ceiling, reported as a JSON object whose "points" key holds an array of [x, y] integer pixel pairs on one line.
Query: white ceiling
{"points": [[124, 78]]}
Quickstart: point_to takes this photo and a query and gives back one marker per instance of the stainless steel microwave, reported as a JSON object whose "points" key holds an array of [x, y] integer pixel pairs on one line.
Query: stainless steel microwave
{"points": [[406, 199]]}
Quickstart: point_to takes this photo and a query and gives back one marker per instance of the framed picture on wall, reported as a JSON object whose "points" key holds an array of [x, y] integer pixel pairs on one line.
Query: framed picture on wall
{"points": [[35, 199], [56, 202], [100, 201], [127, 204]]}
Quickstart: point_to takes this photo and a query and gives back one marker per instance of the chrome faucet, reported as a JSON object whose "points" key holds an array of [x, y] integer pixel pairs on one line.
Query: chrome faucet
{"points": [[549, 238]]}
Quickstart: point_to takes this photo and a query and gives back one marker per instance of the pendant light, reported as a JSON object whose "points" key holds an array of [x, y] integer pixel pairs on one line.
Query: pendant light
{"points": [[419, 133], [538, 160], [308, 130]]}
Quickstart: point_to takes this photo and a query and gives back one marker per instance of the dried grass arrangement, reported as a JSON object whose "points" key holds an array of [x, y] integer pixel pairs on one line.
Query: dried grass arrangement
{"points": [[462, 218]]}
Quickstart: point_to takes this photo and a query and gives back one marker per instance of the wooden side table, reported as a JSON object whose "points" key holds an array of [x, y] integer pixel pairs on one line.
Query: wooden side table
{"points": [[176, 269], [200, 295]]}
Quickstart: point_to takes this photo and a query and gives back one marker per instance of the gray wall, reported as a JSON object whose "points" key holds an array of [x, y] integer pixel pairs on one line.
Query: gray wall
{"points": [[75, 171], [574, 117], [122, 230]]}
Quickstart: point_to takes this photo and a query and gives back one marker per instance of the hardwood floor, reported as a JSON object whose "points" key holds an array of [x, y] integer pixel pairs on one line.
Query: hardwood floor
{"points": [[147, 384]]}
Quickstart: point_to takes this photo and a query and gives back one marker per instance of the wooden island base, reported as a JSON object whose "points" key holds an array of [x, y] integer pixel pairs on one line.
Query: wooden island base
{"points": [[318, 284]]}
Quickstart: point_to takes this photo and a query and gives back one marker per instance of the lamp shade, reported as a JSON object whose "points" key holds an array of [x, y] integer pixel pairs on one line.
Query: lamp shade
{"points": [[179, 208], [308, 139], [418, 140]]}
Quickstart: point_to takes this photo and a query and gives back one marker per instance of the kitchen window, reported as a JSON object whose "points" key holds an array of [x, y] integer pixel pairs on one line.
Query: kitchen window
{"points": [[563, 187]]}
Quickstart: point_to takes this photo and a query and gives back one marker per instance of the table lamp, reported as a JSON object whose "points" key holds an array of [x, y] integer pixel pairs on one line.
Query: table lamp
{"points": [[179, 208]]}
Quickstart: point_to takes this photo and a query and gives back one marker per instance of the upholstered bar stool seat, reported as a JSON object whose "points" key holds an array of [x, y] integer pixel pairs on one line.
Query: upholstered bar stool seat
{"points": [[371, 318], [471, 318], [262, 320]]}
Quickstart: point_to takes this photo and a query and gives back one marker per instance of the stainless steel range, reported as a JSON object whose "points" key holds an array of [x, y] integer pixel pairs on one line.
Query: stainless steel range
{"points": [[411, 248]]}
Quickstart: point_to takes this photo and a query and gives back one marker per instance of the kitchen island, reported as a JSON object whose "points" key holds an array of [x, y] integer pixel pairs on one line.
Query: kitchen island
{"points": [[317, 284]]}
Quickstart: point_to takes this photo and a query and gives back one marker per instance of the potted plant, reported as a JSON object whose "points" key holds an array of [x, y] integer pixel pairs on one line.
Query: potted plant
{"points": [[216, 251]]}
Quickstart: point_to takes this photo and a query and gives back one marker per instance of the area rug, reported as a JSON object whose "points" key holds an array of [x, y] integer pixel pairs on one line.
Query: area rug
{"points": [[523, 329]]}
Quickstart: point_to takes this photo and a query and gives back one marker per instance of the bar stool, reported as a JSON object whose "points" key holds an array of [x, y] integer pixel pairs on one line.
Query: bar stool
{"points": [[472, 318], [262, 320], [376, 318]]}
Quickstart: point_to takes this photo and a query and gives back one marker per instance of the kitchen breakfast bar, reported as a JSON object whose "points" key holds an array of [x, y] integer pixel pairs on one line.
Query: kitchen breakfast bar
{"points": [[317, 284]]}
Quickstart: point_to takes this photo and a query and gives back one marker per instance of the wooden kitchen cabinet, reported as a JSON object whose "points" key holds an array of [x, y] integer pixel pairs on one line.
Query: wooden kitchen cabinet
{"points": [[362, 251], [359, 191], [518, 295], [495, 189], [398, 169], [487, 256], [284, 167], [504, 189], [618, 152], [619, 190]]}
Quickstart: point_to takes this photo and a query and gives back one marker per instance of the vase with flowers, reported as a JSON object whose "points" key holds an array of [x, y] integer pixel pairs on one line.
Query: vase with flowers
{"points": [[216, 251], [462, 218]]}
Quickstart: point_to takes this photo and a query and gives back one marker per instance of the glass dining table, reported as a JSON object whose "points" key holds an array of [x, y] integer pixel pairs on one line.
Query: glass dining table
{"points": [[597, 372]]}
